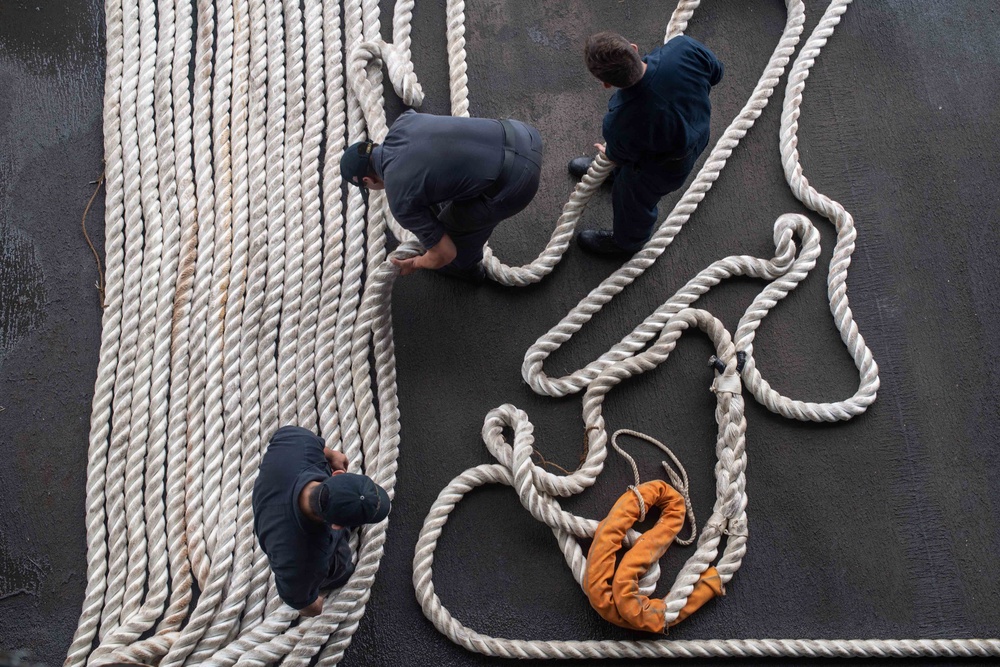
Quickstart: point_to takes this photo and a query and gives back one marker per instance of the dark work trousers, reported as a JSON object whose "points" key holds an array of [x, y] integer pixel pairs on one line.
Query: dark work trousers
{"points": [[341, 568], [469, 222], [637, 192]]}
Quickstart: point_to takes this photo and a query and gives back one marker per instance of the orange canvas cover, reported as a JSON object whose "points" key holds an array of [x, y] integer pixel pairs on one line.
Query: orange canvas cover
{"points": [[615, 595]]}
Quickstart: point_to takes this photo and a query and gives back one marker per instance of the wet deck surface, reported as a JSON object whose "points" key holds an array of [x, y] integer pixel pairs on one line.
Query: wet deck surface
{"points": [[882, 527]]}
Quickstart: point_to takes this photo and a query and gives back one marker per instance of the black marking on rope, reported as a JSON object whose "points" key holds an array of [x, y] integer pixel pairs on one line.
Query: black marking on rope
{"points": [[717, 364], [741, 361]]}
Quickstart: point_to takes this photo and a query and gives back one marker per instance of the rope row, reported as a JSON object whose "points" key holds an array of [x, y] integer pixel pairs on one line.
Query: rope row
{"points": [[224, 319]]}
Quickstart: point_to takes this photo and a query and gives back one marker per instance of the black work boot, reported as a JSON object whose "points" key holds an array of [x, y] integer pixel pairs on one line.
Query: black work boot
{"points": [[475, 274], [602, 242], [578, 166]]}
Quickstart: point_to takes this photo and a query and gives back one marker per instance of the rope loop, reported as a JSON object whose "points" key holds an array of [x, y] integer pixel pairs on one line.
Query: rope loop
{"points": [[679, 480]]}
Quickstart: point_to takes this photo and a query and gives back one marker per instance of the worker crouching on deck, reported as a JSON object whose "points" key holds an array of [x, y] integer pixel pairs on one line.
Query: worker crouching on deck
{"points": [[304, 503], [450, 181]]}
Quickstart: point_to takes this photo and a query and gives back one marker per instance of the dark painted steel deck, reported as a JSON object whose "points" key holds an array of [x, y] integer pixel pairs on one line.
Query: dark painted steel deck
{"points": [[882, 527]]}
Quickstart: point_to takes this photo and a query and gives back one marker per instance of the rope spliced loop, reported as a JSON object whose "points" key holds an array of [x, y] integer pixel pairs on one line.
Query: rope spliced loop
{"points": [[614, 593]]}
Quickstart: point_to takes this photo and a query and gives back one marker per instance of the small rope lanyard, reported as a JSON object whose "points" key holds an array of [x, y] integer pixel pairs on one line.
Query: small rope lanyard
{"points": [[678, 480]]}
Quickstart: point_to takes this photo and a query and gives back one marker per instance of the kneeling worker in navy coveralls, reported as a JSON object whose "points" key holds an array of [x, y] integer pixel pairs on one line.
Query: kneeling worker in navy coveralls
{"points": [[304, 503], [656, 127], [450, 181]]}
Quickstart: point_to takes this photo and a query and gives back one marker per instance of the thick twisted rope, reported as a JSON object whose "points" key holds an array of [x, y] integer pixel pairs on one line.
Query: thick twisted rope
{"points": [[148, 427], [535, 487], [97, 552], [243, 293], [729, 517]]}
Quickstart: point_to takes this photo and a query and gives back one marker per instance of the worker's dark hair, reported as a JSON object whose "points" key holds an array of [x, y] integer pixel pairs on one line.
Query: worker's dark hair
{"points": [[611, 58]]}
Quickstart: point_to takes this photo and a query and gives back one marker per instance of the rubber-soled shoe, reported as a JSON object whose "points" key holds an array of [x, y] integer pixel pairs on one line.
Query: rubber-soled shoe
{"points": [[601, 242], [475, 274], [578, 166]]}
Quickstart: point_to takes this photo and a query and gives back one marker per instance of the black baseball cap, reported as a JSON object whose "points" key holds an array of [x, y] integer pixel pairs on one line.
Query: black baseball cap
{"points": [[355, 164], [351, 500]]}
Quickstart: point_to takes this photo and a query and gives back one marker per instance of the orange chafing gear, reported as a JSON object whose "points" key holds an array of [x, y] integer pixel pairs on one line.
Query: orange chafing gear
{"points": [[615, 595]]}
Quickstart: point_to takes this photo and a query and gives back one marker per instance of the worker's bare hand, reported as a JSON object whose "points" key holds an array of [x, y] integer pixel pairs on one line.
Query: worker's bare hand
{"points": [[337, 460], [407, 266], [602, 149], [315, 609]]}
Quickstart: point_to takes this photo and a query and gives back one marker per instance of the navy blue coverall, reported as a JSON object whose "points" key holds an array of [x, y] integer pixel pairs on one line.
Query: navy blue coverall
{"points": [[445, 174], [305, 556], [655, 131]]}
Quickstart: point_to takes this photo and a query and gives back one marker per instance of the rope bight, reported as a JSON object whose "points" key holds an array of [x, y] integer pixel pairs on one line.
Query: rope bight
{"points": [[242, 293]]}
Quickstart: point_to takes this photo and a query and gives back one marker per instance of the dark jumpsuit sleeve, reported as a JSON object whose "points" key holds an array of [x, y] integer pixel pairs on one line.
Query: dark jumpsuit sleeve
{"points": [[620, 145], [717, 69], [422, 222], [620, 152], [307, 436]]}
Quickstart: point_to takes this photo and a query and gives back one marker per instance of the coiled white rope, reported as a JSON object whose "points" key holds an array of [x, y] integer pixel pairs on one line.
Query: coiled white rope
{"points": [[537, 489], [243, 293]]}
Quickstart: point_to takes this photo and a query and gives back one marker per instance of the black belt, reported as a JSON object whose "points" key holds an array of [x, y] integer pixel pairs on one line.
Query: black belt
{"points": [[508, 160]]}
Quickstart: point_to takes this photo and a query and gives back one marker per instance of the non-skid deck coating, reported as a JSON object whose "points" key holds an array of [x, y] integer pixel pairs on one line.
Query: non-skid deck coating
{"points": [[885, 526]]}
